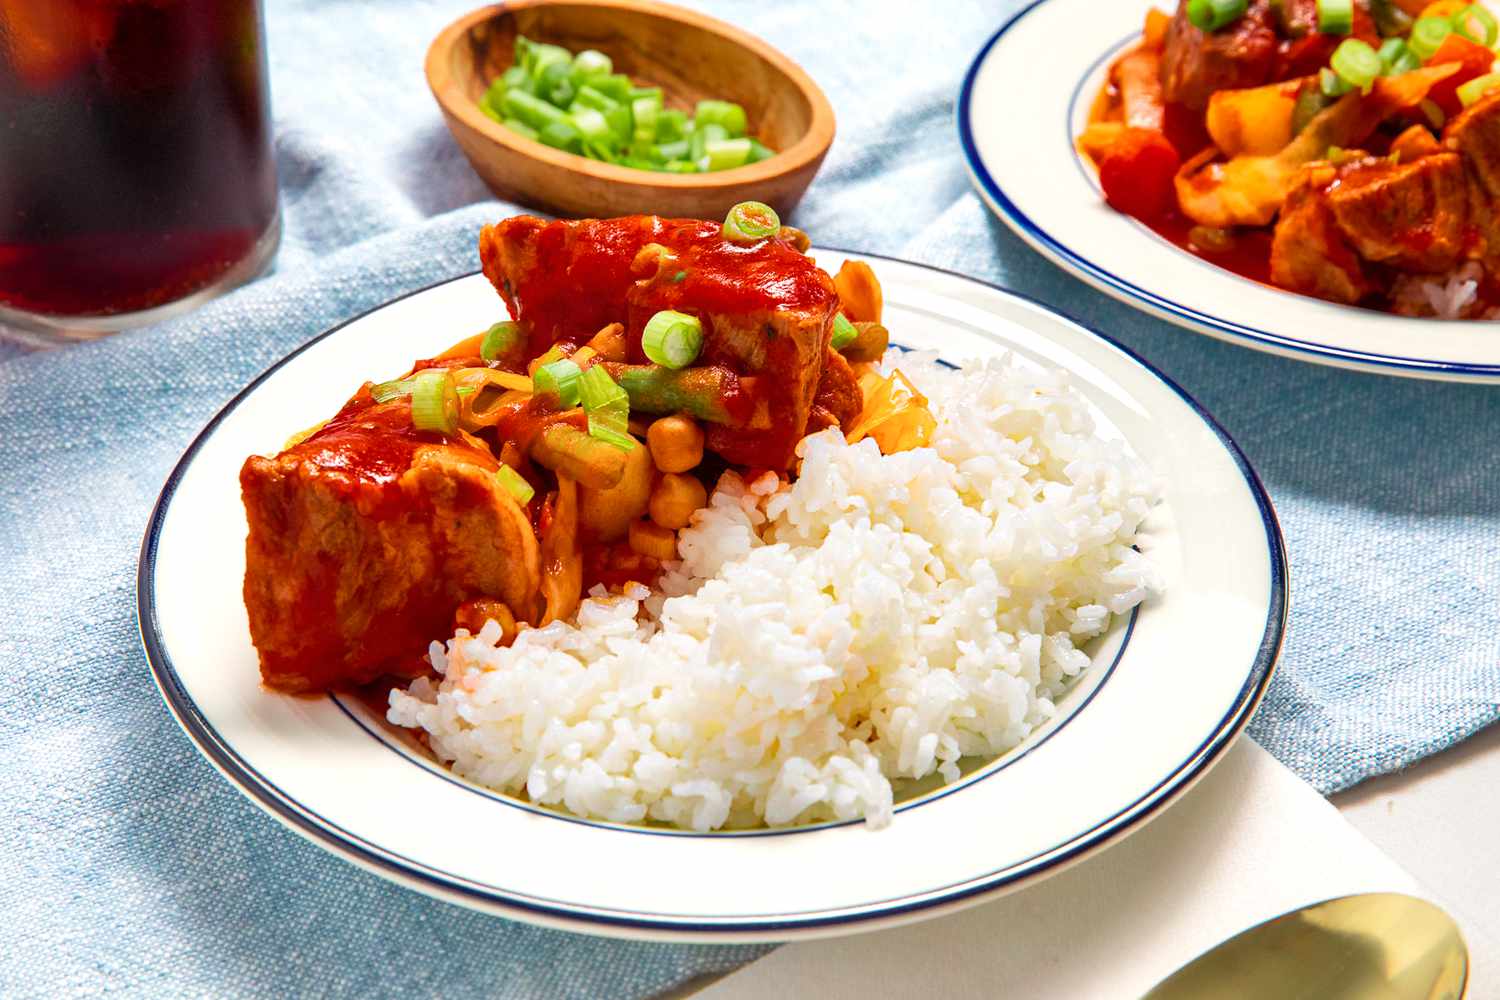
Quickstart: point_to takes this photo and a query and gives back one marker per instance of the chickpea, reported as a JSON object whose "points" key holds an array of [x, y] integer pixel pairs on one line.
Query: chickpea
{"points": [[675, 498], [652, 540], [608, 513], [474, 615], [676, 443]]}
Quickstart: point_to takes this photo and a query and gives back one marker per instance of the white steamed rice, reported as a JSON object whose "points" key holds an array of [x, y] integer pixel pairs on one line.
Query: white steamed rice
{"points": [[876, 620]]}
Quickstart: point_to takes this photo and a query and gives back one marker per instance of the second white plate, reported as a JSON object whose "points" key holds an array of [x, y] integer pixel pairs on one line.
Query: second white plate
{"points": [[1025, 99]]}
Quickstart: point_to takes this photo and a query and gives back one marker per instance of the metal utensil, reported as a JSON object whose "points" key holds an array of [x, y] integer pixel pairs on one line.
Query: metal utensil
{"points": [[1378, 946]]}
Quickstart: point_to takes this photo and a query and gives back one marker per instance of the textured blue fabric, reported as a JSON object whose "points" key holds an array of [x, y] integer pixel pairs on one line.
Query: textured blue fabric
{"points": [[128, 866]]}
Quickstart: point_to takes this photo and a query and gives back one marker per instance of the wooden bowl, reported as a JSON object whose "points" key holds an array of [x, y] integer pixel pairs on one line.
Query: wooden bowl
{"points": [[688, 55]]}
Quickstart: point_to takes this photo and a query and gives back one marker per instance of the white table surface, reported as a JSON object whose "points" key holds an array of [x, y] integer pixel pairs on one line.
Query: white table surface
{"points": [[1440, 820]]}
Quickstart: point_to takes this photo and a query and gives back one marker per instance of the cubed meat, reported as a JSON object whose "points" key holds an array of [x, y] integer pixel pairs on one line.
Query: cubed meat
{"points": [[1308, 252], [1475, 135], [364, 540], [1195, 63], [1412, 216], [766, 308]]}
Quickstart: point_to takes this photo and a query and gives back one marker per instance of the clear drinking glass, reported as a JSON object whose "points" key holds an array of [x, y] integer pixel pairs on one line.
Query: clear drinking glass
{"points": [[136, 171]]}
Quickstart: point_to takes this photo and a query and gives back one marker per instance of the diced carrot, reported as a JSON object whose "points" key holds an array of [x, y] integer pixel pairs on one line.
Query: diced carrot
{"points": [[1137, 174], [1098, 137], [1474, 60], [1443, 8], [1154, 35], [1415, 143], [1138, 75]]}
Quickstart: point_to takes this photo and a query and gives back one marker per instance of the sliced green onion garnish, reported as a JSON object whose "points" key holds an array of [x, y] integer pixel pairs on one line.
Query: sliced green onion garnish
{"points": [[672, 339], [1211, 15], [1477, 25], [387, 391], [750, 221], [616, 436], [597, 390], [607, 406], [499, 340], [1335, 17], [1332, 84], [1356, 63], [591, 62], [726, 113], [1427, 36], [843, 331], [515, 484], [1397, 58], [727, 154], [561, 379], [1482, 86], [434, 401]]}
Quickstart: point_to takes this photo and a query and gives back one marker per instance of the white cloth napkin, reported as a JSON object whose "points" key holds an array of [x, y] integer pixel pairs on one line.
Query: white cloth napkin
{"points": [[1251, 841]]}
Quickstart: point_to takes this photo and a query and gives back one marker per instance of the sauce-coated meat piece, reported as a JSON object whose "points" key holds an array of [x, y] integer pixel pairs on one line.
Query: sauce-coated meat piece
{"points": [[767, 309], [1413, 216], [1195, 63], [1308, 252], [364, 539]]}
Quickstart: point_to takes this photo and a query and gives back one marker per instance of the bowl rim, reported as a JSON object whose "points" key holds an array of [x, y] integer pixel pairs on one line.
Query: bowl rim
{"points": [[806, 151]]}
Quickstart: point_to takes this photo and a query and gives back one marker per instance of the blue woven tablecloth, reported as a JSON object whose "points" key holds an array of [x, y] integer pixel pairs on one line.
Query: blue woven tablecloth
{"points": [[128, 866]]}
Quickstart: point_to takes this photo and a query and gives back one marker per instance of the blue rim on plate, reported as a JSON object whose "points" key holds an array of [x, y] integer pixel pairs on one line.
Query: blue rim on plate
{"points": [[1151, 302], [455, 888]]}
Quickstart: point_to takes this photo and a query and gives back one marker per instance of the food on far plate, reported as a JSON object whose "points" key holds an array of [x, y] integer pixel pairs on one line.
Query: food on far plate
{"points": [[683, 542], [1343, 149], [578, 104]]}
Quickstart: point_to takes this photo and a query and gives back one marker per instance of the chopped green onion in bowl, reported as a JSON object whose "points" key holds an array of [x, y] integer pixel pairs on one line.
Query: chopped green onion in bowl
{"points": [[578, 104], [672, 339]]}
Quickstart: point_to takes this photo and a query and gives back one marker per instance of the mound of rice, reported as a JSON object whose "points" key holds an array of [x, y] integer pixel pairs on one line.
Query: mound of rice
{"points": [[876, 620]]}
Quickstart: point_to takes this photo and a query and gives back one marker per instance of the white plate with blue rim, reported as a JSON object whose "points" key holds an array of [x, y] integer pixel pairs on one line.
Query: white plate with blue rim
{"points": [[1024, 101], [1170, 687]]}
